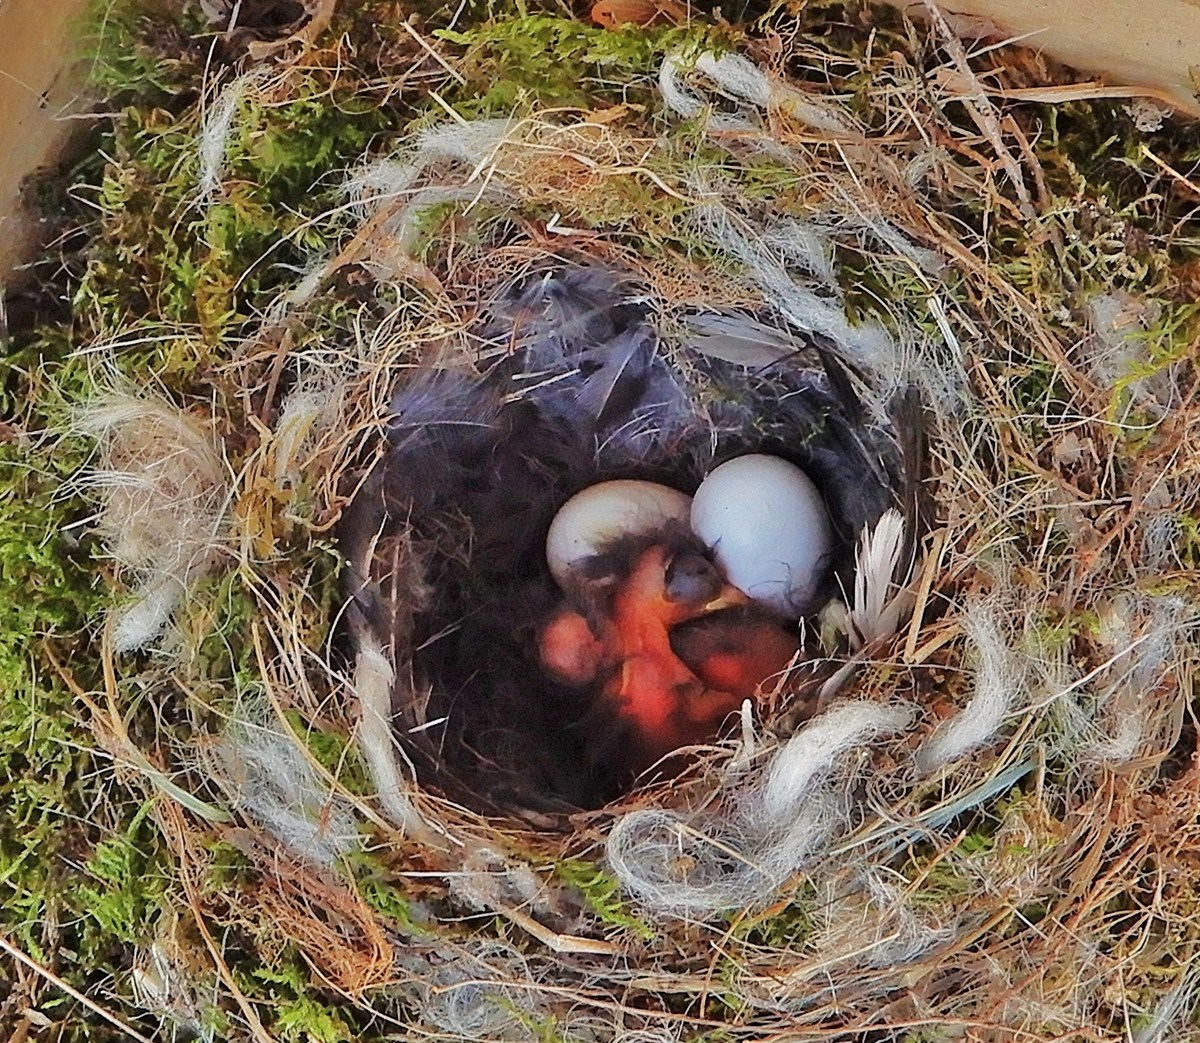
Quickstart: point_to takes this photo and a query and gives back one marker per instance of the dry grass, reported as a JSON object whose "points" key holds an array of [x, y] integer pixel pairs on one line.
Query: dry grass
{"points": [[1008, 856]]}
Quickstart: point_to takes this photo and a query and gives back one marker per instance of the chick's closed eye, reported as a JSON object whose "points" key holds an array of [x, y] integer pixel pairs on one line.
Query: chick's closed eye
{"points": [[691, 579]]}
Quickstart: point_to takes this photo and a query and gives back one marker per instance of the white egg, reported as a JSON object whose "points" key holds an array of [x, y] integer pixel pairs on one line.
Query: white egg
{"points": [[766, 524], [599, 514]]}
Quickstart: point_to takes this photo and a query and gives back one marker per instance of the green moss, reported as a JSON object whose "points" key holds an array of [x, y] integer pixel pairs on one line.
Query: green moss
{"points": [[540, 1029], [78, 876], [602, 894], [144, 52], [125, 890], [556, 61], [376, 887], [786, 926], [932, 1034], [220, 615], [297, 1015], [227, 867], [156, 251], [46, 590], [305, 1019], [334, 753]]}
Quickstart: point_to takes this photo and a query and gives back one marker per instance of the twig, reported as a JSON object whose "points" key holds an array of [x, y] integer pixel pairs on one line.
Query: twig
{"points": [[1171, 172], [555, 942], [1090, 90], [933, 563], [424, 44], [980, 106], [71, 991]]}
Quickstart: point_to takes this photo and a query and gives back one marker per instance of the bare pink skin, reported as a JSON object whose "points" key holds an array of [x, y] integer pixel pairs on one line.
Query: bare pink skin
{"points": [[669, 703]]}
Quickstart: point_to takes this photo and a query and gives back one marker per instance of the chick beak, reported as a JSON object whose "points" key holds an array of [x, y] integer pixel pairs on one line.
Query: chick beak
{"points": [[729, 597], [631, 657]]}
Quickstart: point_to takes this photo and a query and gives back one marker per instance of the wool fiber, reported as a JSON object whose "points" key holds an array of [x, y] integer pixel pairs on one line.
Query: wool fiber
{"points": [[777, 819], [1000, 684], [163, 492]]}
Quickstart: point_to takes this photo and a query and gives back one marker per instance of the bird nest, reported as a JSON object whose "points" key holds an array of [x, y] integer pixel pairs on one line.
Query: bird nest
{"points": [[969, 809]]}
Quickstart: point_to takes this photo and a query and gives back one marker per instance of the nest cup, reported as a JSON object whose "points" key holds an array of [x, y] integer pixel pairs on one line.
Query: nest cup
{"points": [[945, 843], [570, 384]]}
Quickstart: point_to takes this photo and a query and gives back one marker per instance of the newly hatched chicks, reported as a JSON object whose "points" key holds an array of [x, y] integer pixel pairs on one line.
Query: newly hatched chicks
{"points": [[676, 608], [539, 676]]}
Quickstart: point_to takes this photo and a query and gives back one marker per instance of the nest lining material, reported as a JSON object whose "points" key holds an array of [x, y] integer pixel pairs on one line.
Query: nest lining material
{"points": [[848, 817], [456, 515]]}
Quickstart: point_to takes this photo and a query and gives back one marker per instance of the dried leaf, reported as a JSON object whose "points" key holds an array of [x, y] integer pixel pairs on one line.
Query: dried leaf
{"points": [[612, 14]]}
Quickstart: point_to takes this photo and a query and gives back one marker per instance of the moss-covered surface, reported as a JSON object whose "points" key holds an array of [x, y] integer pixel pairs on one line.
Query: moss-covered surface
{"points": [[90, 877]]}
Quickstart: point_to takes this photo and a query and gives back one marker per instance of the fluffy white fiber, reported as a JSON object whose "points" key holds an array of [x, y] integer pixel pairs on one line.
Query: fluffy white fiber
{"points": [[1161, 539], [271, 781], [480, 990], [306, 412], [809, 243], [215, 131], [898, 933], [811, 753], [373, 677], [1145, 638], [777, 819], [1000, 682], [681, 101], [862, 217], [394, 179], [806, 309], [388, 195], [743, 79], [489, 880], [140, 622], [739, 78], [775, 253], [163, 491], [805, 245], [864, 923]]}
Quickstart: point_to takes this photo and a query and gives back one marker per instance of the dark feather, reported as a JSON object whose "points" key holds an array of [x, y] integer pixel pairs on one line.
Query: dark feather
{"points": [[909, 421], [613, 389], [445, 538], [740, 340]]}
